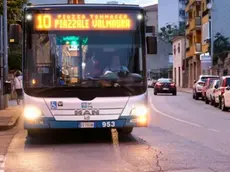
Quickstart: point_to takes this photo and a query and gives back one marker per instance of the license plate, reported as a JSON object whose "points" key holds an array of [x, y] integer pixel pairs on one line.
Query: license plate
{"points": [[87, 125], [165, 88]]}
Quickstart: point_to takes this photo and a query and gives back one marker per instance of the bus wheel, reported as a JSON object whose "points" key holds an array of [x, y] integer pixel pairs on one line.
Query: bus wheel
{"points": [[125, 131], [32, 133]]}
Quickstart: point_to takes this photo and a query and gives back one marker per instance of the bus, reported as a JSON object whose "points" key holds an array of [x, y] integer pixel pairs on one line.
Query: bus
{"points": [[84, 66]]}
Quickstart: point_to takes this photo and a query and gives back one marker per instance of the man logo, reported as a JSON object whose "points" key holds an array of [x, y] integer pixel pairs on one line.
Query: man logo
{"points": [[87, 117], [84, 112]]}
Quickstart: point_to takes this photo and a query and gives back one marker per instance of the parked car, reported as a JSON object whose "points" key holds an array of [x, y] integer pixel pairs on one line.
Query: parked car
{"points": [[165, 85], [222, 94], [209, 96], [151, 83], [207, 84], [199, 84]]}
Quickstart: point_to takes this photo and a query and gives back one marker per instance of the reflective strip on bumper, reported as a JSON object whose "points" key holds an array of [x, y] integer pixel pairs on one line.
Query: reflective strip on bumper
{"points": [[45, 123]]}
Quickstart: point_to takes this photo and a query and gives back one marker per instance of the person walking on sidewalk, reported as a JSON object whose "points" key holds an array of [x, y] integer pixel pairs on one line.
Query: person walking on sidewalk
{"points": [[17, 85]]}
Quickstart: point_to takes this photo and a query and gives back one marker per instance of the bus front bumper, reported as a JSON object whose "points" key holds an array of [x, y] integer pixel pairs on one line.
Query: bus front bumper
{"points": [[51, 123]]}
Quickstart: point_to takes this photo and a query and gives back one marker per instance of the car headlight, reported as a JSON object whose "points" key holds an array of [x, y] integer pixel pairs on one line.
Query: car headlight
{"points": [[31, 112], [140, 110]]}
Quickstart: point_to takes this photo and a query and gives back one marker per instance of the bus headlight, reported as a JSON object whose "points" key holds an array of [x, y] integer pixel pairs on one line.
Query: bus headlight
{"points": [[31, 112], [141, 112]]}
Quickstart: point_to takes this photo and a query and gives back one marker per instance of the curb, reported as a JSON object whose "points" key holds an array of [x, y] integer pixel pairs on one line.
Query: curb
{"points": [[12, 124], [185, 92]]}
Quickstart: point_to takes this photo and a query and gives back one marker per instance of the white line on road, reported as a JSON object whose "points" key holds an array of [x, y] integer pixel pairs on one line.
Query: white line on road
{"points": [[211, 129], [2, 163], [169, 116], [180, 120]]}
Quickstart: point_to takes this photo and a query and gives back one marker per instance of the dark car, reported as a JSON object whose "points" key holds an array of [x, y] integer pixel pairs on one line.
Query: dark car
{"points": [[165, 85]]}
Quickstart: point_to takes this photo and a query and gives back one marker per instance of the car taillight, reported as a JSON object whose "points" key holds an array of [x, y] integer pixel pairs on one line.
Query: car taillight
{"points": [[158, 84]]}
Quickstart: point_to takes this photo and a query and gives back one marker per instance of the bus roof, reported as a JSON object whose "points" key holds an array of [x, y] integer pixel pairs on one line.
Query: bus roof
{"points": [[84, 6]]}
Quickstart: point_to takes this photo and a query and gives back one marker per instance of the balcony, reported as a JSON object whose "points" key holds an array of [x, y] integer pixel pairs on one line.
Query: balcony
{"points": [[194, 49], [205, 48], [206, 12], [195, 24], [189, 6], [198, 48], [187, 31], [189, 51]]}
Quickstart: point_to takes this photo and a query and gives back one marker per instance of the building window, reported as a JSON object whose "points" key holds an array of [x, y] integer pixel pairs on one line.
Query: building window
{"points": [[149, 29], [174, 49], [178, 48]]}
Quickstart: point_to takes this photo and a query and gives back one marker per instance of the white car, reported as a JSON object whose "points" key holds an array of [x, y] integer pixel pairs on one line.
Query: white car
{"points": [[211, 91], [222, 95], [199, 84], [150, 83]]}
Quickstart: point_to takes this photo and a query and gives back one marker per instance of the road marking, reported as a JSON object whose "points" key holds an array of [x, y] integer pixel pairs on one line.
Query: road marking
{"points": [[174, 118], [2, 163], [211, 129], [180, 120]]}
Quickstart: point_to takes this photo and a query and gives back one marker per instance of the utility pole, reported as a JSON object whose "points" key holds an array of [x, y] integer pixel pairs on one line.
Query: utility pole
{"points": [[211, 52], [1, 63], [5, 49]]}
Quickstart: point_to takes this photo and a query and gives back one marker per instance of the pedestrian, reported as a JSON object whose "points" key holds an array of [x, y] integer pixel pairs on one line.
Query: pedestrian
{"points": [[17, 85]]}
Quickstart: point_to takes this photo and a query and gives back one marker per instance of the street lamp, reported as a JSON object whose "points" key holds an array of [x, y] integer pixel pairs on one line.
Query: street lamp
{"points": [[209, 6]]}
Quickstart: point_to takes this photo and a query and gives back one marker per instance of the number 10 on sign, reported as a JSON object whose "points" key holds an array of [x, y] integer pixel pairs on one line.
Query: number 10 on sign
{"points": [[44, 21]]}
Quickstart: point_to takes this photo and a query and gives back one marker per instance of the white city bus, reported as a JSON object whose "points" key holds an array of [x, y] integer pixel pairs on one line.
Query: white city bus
{"points": [[84, 66]]}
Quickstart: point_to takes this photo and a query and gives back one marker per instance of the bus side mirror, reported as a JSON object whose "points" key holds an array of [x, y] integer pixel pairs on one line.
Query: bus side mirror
{"points": [[151, 44], [14, 33]]}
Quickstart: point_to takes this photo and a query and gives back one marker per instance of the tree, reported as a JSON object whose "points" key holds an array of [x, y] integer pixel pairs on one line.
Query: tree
{"points": [[14, 9], [168, 32], [221, 45]]}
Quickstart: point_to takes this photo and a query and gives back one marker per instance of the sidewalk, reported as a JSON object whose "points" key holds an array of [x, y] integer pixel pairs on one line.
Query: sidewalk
{"points": [[185, 90], [9, 116]]}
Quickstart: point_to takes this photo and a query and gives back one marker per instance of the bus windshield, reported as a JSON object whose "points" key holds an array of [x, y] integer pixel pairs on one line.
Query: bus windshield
{"points": [[73, 59]]}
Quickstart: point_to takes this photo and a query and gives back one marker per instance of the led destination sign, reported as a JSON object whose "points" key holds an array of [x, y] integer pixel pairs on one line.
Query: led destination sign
{"points": [[44, 22]]}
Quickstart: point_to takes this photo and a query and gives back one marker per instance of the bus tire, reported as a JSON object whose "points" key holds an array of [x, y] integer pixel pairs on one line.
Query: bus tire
{"points": [[125, 131], [32, 133]]}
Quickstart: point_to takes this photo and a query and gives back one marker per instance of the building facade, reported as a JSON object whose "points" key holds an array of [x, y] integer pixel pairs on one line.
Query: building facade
{"points": [[193, 42], [215, 19], [171, 12], [206, 18], [178, 57], [161, 59]]}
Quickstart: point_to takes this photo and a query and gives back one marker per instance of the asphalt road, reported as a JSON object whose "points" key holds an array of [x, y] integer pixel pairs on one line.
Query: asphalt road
{"points": [[184, 135]]}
